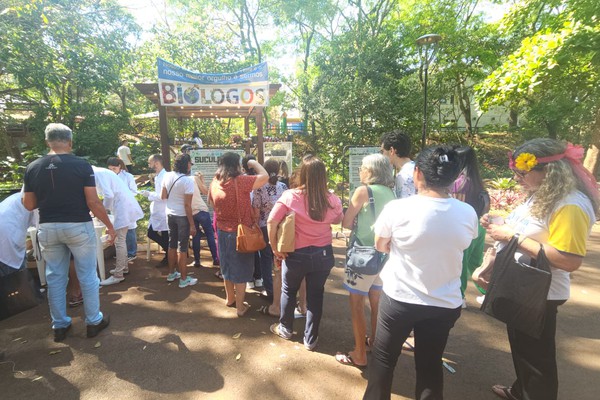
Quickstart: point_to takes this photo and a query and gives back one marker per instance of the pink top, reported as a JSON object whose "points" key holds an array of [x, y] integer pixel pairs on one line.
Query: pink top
{"points": [[308, 231]]}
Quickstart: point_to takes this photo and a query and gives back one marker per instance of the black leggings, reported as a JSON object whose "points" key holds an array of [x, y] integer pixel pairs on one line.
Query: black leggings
{"points": [[535, 359], [431, 327]]}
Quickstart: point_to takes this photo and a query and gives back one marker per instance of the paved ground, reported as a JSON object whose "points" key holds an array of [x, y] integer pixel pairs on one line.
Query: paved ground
{"points": [[166, 342]]}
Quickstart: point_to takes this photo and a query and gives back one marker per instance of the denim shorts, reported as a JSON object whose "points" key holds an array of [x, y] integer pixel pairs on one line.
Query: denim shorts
{"points": [[235, 267], [179, 233]]}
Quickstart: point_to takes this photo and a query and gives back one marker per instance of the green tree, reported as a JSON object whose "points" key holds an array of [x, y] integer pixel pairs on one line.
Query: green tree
{"points": [[554, 75]]}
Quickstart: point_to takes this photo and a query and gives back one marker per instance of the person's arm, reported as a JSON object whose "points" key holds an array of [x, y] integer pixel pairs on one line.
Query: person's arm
{"points": [[29, 200], [187, 204], [275, 217], [262, 176], [383, 244], [96, 207], [129, 155], [199, 179], [359, 198], [164, 194]]}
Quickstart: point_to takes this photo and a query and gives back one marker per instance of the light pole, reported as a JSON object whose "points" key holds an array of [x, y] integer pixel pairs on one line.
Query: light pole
{"points": [[426, 42]]}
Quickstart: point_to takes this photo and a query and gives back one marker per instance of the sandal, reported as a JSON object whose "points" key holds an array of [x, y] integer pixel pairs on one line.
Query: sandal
{"points": [[368, 343], [219, 275], [408, 346], [503, 392], [246, 308], [265, 311], [345, 359], [231, 305]]}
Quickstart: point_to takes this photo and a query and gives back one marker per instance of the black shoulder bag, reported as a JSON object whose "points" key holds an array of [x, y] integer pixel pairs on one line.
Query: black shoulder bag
{"points": [[364, 260], [517, 292]]}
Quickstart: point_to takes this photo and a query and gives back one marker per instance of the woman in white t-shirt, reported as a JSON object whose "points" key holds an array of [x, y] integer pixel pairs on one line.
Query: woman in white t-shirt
{"points": [[425, 236], [178, 190], [559, 214]]}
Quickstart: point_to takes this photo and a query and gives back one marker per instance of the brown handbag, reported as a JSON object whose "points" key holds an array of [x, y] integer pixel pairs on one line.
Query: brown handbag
{"points": [[249, 238], [483, 274], [286, 234]]}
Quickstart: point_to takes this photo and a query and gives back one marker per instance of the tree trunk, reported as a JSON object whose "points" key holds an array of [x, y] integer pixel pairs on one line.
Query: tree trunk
{"points": [[552, 128], [513, 118], [593, 152], [464, 103]]}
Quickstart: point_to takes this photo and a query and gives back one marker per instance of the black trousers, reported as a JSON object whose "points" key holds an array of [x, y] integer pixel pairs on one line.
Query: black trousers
{"points": [[162, 238], [431, 327], [535, 359]]}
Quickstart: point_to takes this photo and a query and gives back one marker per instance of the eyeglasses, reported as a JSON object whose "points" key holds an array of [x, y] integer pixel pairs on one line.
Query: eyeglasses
{"points": [[520, 174]]}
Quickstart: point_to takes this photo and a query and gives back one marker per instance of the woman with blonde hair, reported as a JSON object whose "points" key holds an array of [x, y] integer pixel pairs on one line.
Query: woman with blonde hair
{"points": [[376, 175], [316, 209], [558, 215]]}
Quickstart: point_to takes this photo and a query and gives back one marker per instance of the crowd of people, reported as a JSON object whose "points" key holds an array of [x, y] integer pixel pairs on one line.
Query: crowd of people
{"points": [[428, 223]]}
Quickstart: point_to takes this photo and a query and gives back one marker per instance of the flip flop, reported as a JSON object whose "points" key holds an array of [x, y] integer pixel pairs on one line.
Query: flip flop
{"points": [[246, 308], [345, 359], [503, 392], [265, 311], [219, 275], [408, 346], [232, 305], [368, 343]]}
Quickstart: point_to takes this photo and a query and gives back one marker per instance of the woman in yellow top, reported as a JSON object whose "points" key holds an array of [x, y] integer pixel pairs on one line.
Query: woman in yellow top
{"points": [[559, 214]]}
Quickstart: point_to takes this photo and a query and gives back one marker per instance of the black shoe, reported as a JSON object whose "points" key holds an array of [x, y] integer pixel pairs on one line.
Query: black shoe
{"points": [[94, 330], [216, 263], [60, 334]]}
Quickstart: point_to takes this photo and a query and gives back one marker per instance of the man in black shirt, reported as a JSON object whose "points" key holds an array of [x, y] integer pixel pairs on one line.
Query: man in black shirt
{"points": [[63, 188]]}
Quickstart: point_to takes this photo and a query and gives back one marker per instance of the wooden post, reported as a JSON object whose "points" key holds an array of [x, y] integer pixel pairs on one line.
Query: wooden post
{"points": [[259, 133], [246, 127], [164, 137]]}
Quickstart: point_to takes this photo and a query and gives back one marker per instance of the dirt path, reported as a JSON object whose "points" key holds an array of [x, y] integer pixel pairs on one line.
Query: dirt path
{"points": [[165, 342]]}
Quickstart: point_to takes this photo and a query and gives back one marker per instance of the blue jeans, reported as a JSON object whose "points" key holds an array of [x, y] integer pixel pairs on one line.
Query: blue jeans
{"points": [[266, 264], [313, 263], [58, 240], [203, 219], [131, 240]]}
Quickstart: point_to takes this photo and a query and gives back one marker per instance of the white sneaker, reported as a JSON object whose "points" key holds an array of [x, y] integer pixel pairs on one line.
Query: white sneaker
{"points": [[187, 282], [250, 285], [464, 304], [258, 283], [480, 299], [111, 281], [130, 259], [125, 271], [311, 347]]}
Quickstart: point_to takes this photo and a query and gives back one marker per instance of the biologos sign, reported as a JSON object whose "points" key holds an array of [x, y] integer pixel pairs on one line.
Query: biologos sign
{"points": [[181, 87]]}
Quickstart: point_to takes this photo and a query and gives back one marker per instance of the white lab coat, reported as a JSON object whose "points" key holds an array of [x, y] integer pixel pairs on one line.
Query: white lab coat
{"points": [[158, 207], [117, 198]]}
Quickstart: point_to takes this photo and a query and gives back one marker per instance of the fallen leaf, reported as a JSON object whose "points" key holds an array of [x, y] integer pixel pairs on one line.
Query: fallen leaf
{"points": [[263, 332], [24, 341], [17, 339], [252, 319], [144, 348], [237, 358], [55, 352], [448, 361], [37, 379], [237, 335], [98, 344]]}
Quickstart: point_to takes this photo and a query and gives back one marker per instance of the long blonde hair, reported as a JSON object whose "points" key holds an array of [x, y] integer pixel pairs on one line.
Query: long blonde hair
{"points": [[560, 180]]}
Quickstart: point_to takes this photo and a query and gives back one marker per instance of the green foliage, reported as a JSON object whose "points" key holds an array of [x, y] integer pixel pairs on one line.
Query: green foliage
{"points": [[503, 184], [96, 137]]}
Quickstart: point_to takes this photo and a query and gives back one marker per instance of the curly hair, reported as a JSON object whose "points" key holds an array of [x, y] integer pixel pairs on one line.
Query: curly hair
{"points": [[181, 164], [559, 181]]}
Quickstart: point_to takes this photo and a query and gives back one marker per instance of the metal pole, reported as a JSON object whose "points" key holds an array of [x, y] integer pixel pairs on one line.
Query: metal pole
{"points": [[424, 134]]}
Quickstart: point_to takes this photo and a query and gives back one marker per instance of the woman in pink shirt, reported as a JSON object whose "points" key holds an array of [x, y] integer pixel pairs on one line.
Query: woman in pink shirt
{"points": [[316, 209]]}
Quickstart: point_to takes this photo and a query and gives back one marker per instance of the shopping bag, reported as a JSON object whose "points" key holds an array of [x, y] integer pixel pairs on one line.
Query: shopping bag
{"points": [[517, 292], [18, 293]]}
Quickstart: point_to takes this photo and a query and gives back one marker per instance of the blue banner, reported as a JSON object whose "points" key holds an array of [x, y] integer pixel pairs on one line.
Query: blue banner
{"points": [[181, 87]]}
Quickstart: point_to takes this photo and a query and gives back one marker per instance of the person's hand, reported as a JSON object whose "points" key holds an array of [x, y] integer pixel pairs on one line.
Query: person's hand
{"points": [[501, 233], [144, 193], [485, 220], [192, 231], [280, 256], [112, 235]]}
